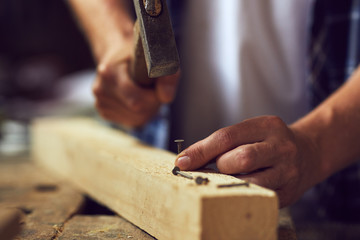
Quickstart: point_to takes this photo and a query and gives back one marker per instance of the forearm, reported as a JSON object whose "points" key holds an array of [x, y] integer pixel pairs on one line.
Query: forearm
{"points": [[332, 131], [107, 23]]}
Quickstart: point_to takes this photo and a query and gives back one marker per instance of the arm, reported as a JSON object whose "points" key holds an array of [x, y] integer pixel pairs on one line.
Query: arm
{"points": [[287, 159], [333, 129], [108, 24]]}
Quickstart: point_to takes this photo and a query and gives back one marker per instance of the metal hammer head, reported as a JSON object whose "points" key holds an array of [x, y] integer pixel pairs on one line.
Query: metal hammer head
{"points": [[157, 37]]}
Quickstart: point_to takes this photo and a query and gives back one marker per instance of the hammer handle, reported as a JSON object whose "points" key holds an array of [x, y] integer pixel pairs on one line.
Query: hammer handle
{"points": [[139, 72]]}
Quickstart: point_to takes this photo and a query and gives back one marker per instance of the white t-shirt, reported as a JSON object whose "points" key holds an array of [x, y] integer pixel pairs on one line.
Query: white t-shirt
{"points": [[242, 58]]}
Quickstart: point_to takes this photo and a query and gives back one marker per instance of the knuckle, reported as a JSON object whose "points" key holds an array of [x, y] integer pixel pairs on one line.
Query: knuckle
{"points": [[224, 137], [107, 74], [274, 121], [96, 89], [197, 152], [246, 157], [103, 70], [289, 149]]}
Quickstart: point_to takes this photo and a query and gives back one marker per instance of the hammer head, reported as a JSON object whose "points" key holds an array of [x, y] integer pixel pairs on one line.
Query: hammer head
{"points": [[157, 37]]}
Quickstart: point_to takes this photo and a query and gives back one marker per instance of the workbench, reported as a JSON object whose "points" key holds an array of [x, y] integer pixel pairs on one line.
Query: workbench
{"points": [[53, 209]]}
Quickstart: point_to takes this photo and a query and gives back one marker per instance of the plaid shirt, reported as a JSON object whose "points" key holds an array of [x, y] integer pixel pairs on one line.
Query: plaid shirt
{"points": [[334, 51], [334, 54]]}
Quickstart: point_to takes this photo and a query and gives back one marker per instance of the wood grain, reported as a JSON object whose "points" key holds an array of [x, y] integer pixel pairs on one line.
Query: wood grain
{"points": [[9, 223], [45, 204], [83, 227], [136, 181]]}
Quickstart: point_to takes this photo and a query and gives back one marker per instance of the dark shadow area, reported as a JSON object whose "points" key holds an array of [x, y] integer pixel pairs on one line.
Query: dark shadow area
{"points": [[40, 43], [93, 208]]}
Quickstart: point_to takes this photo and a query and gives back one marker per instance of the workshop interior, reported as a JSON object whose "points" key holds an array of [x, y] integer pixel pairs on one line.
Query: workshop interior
{"points": [[47, 70], [42, 51]]}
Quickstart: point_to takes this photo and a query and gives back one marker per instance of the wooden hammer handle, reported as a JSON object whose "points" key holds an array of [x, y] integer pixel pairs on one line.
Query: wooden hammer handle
{"points": [[139, 72]]}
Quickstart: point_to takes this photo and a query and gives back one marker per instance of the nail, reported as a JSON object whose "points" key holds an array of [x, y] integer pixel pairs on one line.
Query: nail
{"points": [[176, 171], [201, 180], [183, 162], [179, 144], [233, 185]]}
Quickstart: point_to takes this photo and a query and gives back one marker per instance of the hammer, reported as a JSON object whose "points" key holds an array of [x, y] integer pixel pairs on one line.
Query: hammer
{"points": [[155, 53]]}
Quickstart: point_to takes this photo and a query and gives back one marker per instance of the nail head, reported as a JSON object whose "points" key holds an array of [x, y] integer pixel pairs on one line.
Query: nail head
{"points": [[201, 180], [175, 170]]}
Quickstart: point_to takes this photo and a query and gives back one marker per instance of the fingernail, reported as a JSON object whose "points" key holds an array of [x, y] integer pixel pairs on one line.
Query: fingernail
{"points": [[183, 162]]}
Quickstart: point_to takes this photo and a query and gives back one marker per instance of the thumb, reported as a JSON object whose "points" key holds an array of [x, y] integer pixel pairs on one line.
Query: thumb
{"points": [[199, 154], [166, 87]]}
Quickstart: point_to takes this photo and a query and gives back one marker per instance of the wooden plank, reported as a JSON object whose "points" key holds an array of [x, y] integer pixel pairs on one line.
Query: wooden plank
{"points": [[9, 223], [46, 204], [82, 227], [20, 177], [136, 181]]}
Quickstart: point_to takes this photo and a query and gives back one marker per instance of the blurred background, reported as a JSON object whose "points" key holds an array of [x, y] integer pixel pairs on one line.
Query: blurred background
{"points": [[46, 67]]}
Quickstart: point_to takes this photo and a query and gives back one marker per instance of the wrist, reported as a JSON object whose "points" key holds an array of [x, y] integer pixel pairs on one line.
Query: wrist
{"points": [[108, 24], [312, 169], [112, 42]]}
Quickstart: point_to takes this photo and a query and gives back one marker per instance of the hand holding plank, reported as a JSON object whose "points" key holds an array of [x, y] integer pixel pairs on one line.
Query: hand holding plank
{"points": [[262, 150]]}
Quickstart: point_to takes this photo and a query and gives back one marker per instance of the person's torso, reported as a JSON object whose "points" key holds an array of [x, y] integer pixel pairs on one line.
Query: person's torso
{"points": [[241, 59]]}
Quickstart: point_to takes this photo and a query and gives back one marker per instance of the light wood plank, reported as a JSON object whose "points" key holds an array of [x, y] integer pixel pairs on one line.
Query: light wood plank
{"points": [[136, 181]]}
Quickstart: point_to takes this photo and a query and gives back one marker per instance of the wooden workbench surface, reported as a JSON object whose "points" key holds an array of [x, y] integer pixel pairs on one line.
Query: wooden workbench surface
{"points": [[55, 210]]}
